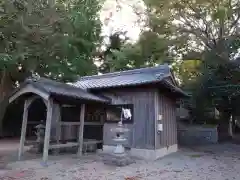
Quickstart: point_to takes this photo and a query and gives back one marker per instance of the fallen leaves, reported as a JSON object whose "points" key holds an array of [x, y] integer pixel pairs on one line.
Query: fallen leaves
{"points": [[45, 178], [132, 178]]}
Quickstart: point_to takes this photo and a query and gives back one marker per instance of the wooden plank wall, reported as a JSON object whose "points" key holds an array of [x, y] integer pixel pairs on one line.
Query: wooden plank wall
{"points": [[142, 130], [167, 108]]}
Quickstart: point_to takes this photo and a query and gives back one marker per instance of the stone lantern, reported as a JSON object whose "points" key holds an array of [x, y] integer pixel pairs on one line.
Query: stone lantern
{"points": [[40, 133], [120, 131], [118, 156]]}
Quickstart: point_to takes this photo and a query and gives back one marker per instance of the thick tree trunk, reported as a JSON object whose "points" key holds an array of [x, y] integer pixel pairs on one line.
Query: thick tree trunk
{"points": [[5, 90]]}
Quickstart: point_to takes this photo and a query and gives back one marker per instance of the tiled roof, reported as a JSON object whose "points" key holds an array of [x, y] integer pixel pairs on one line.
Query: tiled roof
{"points": [[134, 77], [57, 88], [124, 78]]}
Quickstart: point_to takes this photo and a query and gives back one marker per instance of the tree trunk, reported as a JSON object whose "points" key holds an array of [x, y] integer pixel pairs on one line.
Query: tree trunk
{"points": [[234, 123], [230, 127], [5, 90], [51, 3], [223, 127]]}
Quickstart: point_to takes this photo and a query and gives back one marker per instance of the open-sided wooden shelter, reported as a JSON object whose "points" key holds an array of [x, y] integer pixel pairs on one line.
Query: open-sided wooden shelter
{"points": [[54, 95]]}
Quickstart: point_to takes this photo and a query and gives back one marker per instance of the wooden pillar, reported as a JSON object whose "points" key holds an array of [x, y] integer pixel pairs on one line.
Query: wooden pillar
{"points": [[58, 128], [47, 130], [81, 129], [23, 130], [58, 125], [27, 104]]}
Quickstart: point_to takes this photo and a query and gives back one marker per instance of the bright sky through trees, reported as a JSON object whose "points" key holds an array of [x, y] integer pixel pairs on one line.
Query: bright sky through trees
{"points": [[123, 15]]}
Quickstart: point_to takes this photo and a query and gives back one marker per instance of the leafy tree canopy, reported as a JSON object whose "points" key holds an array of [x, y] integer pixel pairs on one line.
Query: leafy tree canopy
{"points": [[207, 30], [149, 50], [56, 39], [198, 24]]}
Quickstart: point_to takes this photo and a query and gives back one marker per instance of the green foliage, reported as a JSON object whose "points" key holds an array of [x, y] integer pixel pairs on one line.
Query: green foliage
{"points": [[149, 50], [187, 71], [210, 31], [109, 58], [198, 25], [54, 40]]}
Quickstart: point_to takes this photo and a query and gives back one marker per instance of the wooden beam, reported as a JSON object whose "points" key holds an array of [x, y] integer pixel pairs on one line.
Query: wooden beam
{"points": [[70, 123], [29, 89], [47, 130], [92, 141], [74, 144], [23, 130], [78, 123], [93, 123], [69, 144], [81, 129]]}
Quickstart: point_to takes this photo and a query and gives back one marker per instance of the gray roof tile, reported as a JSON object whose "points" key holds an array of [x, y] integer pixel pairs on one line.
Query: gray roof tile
{"points": [[134, 77], [124, 78]]}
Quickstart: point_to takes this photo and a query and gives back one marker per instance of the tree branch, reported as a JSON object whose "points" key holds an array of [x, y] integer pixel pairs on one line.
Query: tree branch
{"points": [[207, 31], [234, 22], [221, 29], [198, 32]]}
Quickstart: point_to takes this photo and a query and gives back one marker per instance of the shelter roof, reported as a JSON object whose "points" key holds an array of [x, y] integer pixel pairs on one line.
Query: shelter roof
{"points": [[47, 87]]}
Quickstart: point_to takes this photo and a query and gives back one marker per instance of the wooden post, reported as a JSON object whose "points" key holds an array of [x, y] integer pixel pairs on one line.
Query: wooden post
{"points": [[47, 130], [58, 128], [23, 130], [58, 125], [27, 104], [156, 104], [81, 129]]}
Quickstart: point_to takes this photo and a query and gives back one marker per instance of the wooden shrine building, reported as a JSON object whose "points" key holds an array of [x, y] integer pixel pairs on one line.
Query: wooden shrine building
{"points": [[86, 110]]}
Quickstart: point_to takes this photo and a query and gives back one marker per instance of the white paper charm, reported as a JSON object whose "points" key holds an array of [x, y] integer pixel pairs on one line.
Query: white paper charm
{"points": [[127, 113]]}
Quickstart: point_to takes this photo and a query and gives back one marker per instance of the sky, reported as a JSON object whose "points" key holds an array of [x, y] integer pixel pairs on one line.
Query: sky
{"points": [[122, 17]]}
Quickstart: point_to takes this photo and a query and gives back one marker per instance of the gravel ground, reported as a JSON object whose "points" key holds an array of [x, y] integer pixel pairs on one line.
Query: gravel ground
{"points": [[215, 162]]}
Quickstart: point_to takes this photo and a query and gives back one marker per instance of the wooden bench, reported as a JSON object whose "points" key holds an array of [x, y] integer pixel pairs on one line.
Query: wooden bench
{"points": [[66, 145], [86, 144]]}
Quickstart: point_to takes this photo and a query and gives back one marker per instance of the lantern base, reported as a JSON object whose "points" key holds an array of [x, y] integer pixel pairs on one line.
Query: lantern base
{"points": [[117, 160]]}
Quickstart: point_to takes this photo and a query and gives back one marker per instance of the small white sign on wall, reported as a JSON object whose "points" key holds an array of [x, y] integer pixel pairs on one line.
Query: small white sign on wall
{"points": [[159, 117], [159, 127]]}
